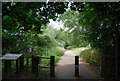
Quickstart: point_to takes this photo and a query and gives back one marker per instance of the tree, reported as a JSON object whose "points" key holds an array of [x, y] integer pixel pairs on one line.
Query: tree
{"points": [[70, 18], [64, 36], [99, 25], [30, 15], [101, 21], [21, 18]]}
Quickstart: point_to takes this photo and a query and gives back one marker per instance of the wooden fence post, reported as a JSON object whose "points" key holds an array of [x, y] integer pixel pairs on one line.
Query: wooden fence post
{"points": [[52, 66], [76, 66], [21, 63], [27, 61], [35, 62], [7, 65], [17, 66]]}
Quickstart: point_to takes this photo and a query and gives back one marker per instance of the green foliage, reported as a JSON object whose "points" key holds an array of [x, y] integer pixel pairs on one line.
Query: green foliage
{"points": [[60, 43], [70, 19], [43, 40], [22, 22], [31, 15], [78, 51], [55, 51], [63, 35], [100, 26], [75, 31], [91, 56]]}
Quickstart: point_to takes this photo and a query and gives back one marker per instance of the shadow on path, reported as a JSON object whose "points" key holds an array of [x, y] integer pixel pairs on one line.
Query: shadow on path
{"points": [[65, 68]]}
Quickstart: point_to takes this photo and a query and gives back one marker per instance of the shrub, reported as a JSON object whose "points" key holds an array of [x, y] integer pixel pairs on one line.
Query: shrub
{"points": [[91, 56], [55, 51]]}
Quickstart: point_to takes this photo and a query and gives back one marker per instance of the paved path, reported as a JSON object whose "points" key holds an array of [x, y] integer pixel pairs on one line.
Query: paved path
{"points": [[65, 68]]}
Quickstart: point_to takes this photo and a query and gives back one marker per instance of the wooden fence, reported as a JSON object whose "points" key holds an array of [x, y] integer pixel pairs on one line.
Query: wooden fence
{"points": [[30, 62], [36, 61]]}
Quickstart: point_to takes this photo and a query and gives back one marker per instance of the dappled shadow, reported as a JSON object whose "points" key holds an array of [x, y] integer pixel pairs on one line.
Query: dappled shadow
{"points": [[43, 74], [65, 68], [68, 72]]}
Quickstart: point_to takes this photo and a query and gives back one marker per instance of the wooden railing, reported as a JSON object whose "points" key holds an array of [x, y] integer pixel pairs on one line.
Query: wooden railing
{"points": [[30, 63], [36, 61]]}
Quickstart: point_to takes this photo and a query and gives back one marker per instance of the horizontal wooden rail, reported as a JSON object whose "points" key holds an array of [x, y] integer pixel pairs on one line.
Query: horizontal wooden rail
{"points": [[38, 56], [44, 66], [27, 56], [45, 57]]}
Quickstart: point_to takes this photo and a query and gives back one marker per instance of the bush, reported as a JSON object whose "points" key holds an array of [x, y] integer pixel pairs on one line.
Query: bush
{"points": [[68, 47], [55, 51], [91, 56]]}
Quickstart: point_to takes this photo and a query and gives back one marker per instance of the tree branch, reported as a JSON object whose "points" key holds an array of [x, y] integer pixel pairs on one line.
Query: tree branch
{"points": [[9, 11]]}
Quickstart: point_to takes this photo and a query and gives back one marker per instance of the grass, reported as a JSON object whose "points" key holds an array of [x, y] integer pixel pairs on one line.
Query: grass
{"points": [[77, 51], [89, 55], [55, 51]]}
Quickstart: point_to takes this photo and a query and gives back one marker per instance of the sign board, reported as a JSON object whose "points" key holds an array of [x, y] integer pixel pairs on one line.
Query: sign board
{"points": [[11, 56]]}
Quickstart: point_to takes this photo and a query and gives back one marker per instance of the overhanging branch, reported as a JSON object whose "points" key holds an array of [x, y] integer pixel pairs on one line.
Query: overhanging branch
{"points": [[9, 11]]}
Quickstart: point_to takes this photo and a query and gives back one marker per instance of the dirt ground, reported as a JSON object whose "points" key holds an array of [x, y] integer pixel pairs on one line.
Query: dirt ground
{"points": [[65, 68]]}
